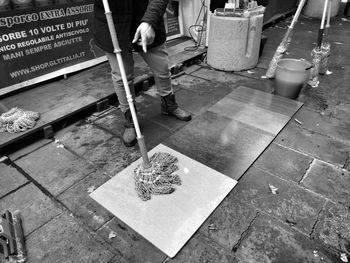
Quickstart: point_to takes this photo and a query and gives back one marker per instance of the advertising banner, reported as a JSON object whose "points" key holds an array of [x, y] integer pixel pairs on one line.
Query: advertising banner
{"points": [[172, 21], [38, 42]]}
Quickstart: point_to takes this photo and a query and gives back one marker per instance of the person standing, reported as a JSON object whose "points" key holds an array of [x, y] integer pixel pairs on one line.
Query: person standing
{"points": [[139, 27]]}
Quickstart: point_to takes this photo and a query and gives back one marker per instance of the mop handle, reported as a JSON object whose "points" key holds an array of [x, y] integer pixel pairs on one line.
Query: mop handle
{"points": [[118, 51], [294, 21], [297, 13], [329, 14], [321, 30]]}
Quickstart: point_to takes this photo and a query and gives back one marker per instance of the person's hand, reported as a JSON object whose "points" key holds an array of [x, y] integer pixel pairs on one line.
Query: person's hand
{"points": [[147, 34]]}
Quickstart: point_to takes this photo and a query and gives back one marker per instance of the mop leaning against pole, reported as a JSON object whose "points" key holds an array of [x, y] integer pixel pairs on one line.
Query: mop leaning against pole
{"points": [[283, 46], [155, 175], [316, 53], [326, 45]]}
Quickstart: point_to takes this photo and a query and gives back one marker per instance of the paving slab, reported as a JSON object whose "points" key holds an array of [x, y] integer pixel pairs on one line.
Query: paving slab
{"points": [[132, 246], [118, 259], [63, 240], [202, 249], [112, 156], [55, 168], [113, 122], [196, 104], [221, 143], [316, 99], [10, 179], [314, 144], [153, 132], [201, 85], [329, 180], [148, 107], [16, 153], [36, 208], [251, 78], [82, 137], [338, 109], [284, 162], [333, 228], [229, 221], [227, 78], [84, 208], [323, 124], [285, 200], [270, 241]]}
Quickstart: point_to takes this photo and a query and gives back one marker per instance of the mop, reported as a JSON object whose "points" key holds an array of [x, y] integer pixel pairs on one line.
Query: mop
{"points": [[326, 45], [156, 174], [12, 244], [17, 120], [317, 52], [283, 46]]}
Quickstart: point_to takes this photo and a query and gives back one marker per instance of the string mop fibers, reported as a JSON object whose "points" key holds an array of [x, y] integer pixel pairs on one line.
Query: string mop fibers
{"points": [[317, 53], [283, 46], [154, 175]]}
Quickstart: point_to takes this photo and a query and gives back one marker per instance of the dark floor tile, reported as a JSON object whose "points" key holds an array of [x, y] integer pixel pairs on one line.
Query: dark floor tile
{"points": [[330, 181], [282, 199], [55, 168], [338, 129], [63, 240], [35, 208], [314, 144], [284, 162], [83, 207], [228, 78], [202, 249], [225, 145], [270, 241], [229, 221], [21, 150], [10, 179], [333, 227], [113, 122], [196, 104], [82, 137], [112, 156], [133, 247]]}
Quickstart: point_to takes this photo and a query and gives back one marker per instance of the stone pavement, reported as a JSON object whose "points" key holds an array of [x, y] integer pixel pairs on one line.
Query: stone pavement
{"points": [[292, 205]]}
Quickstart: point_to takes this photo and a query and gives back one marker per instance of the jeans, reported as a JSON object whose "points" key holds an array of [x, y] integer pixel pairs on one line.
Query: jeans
{"points": [[157, 60]]}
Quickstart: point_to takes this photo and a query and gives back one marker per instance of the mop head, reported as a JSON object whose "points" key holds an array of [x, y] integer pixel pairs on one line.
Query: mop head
{"points": [[326, 50], [281, 50], [17, 120], [317, 57], [158, 178]]}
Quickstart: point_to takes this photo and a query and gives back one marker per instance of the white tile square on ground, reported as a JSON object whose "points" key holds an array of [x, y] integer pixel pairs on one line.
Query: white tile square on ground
{"points": [[167, 221]]}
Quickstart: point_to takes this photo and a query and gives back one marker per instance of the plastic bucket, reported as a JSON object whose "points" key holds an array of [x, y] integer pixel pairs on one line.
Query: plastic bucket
{"points": [[291, 75]]}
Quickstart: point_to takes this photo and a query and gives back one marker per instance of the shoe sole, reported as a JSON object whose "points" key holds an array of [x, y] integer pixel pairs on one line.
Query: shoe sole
{"points": [[181, 119]]}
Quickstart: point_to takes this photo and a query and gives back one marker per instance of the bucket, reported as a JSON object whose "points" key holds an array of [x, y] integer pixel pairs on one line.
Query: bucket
{"points": [[291, 75], [234, 42]]}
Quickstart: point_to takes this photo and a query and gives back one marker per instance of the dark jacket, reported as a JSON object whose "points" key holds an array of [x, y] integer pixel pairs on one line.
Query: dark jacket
{"points": [[127, 16]]}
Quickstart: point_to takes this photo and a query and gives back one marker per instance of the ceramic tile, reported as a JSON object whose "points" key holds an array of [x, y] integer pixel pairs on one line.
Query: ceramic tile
{"points": [[223, 144], [265, 100], [250, 114], [167, 221]]}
